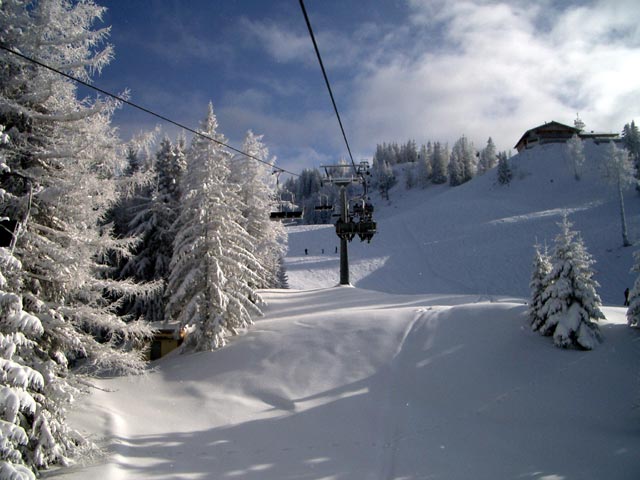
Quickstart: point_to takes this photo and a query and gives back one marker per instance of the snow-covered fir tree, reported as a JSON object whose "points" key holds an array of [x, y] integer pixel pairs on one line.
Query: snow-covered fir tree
{"points": [[213, 270], [408, 152], [570, 302], [152, 211], [60, 165], [504, 172], [631, 141], [439, 162], [462, 162], [455, 169], [633, 312], [256, 193], [383, 177], [63, 158], [618, 172], [423, 169], [575, 151], [19, 383], [488, 157], [540, 270]]}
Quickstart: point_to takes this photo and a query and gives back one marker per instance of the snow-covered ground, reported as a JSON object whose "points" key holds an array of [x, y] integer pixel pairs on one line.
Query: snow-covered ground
{"points": [[426, 369]]}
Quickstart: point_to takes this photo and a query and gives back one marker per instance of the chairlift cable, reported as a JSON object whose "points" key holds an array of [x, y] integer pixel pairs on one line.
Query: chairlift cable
{"points": [[326, 80], [143, 109]]}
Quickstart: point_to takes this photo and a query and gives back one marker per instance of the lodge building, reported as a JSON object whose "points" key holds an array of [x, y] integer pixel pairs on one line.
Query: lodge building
{"points": [[556, 132]]}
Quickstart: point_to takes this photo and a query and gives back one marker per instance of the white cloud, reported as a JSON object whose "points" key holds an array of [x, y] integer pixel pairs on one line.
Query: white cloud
{"points": [[501, 69], [282, 44]]}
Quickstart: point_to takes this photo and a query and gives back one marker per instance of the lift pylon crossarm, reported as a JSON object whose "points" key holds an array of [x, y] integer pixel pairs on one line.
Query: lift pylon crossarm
{"points": [[342, 174]]}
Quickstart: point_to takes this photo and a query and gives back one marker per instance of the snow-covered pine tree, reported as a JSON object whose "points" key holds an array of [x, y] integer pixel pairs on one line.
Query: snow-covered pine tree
{"points": [[149, 211], [63, 157], [439, 162], [504, 169], [383, 177], [212, 267], [488, 158], [571, 304], [462, 163], [171, 167], [618, 172], [35, 390], [19, 383], [60, 165], [540, 270], [455, 169], [423, 170], [256, 193], [469, 158], [575, 150], [631, 141], [633, 312], [59, 169], [408, 152]]}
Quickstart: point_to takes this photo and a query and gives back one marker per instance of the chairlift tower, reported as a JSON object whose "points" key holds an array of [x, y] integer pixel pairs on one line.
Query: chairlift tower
{"points": [[342, 176]]}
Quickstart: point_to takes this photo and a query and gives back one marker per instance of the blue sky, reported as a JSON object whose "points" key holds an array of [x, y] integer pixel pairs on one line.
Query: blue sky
{"points": [[400, 69]]}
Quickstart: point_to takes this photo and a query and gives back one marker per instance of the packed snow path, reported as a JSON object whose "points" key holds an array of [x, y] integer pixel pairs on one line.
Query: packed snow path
{"points": [[344, 383]]}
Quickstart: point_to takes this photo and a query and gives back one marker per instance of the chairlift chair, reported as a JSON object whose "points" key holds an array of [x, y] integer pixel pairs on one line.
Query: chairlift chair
{"points": [[285, 209], [324, 204]]}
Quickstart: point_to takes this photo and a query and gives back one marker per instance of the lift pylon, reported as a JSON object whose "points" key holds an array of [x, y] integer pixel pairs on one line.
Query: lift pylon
{"points": [[353, 221]]}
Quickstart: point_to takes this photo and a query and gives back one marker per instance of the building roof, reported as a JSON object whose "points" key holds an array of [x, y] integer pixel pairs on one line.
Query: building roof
{"points": [[552, 126]]}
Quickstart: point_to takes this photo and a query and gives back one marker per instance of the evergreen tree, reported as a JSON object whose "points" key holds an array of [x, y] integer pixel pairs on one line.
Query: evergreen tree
{"points": [[504, 169], [256, 191], [488, 158], [575, 150], [467, 154], [383, 177], [462, 163], [455, 169], [63, 157], [408, 152], [633, 312], [618, 173], [440, 160], [60, 167], [570, 301], [20, 384], [423, 170], [631, 141], [150, 214], [213, 267], [540, 271]]}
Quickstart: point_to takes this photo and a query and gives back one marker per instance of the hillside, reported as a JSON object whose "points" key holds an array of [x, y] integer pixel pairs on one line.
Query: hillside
{"points": [[478, 238], [426, 369]]}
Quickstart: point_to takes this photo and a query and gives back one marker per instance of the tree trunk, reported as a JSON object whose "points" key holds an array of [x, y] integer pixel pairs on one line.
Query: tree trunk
{"points": [[623, 219]]}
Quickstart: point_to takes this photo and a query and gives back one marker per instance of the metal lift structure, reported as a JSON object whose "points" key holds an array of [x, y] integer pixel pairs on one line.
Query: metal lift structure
{"points": [[356, 216]]}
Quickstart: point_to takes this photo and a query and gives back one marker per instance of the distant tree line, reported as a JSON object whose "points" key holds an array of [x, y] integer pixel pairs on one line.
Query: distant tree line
{"points": [[431, 164]]}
